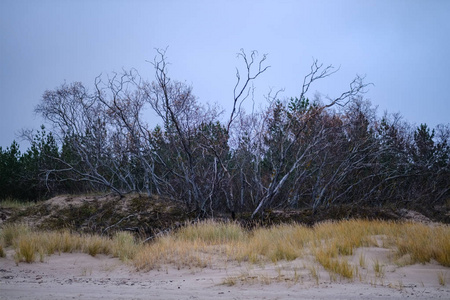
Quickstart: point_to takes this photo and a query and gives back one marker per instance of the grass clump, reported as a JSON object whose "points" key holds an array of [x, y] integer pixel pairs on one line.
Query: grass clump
{"points": [[59, 241], [211, 232], [378, 268], [328, 259], [346, 235], [10, 231], [170, 249], [314, 273], [424, 243], [230, 280], [94, 244], [28, 244], [281, 242], [26, 248], [124, 246], [191, 246], [362, 260], [441, 278]]}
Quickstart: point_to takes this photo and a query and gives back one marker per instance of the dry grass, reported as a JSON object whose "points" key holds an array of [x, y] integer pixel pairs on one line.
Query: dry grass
{"points": [[26, 248], [14, 203], [441, 278], [124, 246], [211, 233], [30, 245], [337, 266], [94, 244], [194, 245], [424, 243], [362, 260], [10, 232], [258, 277], [314, 273], [191, 246], [282, 242], [378, 268], [330, 244], [174, 251]]}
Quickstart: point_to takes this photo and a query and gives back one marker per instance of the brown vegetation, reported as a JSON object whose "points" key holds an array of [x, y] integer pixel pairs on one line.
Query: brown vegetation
{"points": [[332, 244]]}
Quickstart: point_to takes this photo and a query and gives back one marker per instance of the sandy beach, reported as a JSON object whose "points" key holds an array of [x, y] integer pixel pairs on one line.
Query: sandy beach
{"points": [[80, 276]]}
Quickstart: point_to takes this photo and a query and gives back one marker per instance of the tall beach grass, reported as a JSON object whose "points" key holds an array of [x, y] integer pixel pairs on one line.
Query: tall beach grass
{"points": [[29, 245], [203, 244]]}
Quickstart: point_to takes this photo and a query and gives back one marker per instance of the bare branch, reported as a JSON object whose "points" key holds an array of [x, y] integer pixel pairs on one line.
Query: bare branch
{"points": [[250, 76]]}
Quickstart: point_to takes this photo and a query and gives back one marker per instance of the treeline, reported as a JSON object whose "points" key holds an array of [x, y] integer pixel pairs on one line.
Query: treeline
{"points": [[28, 176], [21, 174], [294, 153]]}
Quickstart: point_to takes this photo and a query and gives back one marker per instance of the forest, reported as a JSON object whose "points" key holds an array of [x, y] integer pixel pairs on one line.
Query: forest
{"points": [[297, 152]]}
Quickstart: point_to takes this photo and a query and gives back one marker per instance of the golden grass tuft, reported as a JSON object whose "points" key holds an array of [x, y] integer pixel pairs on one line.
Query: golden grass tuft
{"points": [[94, 244], [362, 260], [378, 268], [10, 231], [424, 243], [174, 251], [281, 242], [314, 273], [211, 232], [26, 248], [338, 266], [192, 246], [441, 278], [124, 246]]}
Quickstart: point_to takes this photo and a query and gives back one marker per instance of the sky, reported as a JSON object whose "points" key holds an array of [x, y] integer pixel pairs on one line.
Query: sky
{"points": [[401, 47]]}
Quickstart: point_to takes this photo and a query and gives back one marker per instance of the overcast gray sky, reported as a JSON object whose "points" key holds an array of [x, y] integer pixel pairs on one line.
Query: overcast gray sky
{"points": [[402, 47]]}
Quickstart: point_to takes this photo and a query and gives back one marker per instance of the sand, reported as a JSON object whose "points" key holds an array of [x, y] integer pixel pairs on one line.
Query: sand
{"points": [[80, 276]]}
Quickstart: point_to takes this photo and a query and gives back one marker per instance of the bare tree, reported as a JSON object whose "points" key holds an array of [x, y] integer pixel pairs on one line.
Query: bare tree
{"points": [[124, 102], [182, 116], [295, 125], [81, 121]]}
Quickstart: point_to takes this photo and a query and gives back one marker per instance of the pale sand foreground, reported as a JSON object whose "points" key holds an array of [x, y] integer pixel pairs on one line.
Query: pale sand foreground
{"points": [[80, 276]]}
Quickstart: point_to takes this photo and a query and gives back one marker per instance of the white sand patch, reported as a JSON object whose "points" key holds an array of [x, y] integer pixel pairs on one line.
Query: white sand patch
{"points": [[80, 276]]}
